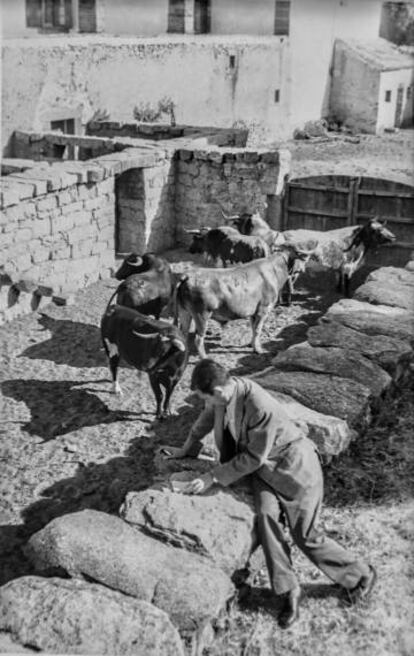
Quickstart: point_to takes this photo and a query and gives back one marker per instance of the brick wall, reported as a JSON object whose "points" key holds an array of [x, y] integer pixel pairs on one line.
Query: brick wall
{"points": [[57, 230]]}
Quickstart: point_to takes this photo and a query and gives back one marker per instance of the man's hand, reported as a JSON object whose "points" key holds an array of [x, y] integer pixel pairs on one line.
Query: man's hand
{"points": [[199, 485], [169, 452]]}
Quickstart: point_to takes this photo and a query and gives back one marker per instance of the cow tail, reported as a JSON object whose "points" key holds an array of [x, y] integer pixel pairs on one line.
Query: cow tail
{"points": [[114, 294]]}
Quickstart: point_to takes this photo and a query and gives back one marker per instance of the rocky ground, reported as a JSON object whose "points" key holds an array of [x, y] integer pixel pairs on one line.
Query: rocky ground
{"points": [[68, 443]]}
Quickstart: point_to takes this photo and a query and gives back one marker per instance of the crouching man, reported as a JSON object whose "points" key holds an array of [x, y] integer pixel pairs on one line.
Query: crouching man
{"points": [[254, 436]]}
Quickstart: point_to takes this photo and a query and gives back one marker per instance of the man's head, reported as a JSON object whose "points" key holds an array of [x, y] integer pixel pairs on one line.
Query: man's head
{"points": [[211, 381]]}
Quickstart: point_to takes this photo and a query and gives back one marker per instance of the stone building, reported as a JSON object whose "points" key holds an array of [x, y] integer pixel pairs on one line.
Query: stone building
{"points": [[372, 85], [263, 65]]}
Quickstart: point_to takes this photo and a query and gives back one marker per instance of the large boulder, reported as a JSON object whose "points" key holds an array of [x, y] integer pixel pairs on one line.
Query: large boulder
{"points": [[393, 291], [189, 587], [396, 275], [338, 361], [74, 617], [217, 524], [330, 395], [332, 435], [373, 319], [390, 353]]}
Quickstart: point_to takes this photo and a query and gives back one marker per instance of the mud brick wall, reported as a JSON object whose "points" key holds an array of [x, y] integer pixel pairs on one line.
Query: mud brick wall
{"points": [[233, 179], [57, 228]]}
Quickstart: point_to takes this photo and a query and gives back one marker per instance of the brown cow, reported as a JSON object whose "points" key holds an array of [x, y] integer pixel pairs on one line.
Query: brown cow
{"points": [[243, 291]]}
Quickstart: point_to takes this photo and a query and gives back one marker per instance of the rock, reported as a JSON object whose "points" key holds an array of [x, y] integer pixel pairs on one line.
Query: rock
{"points": [[216, 524], [388, 286], [410, 266], [332, 435], [373, 319], [397, 275], [76, 617], [108, 550], [338, 361], [330, 395], [390, 353]]}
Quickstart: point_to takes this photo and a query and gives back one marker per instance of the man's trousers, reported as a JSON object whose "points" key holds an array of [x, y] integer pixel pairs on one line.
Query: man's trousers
{"points": [[294, 491]]}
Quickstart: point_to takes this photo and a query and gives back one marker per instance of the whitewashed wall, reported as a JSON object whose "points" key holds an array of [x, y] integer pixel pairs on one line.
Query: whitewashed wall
{"points": [[390, 80], [315, 24]]}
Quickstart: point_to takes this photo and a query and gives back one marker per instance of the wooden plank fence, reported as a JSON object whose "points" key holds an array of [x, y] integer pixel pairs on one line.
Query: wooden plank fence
{"points": [[330, 202]]}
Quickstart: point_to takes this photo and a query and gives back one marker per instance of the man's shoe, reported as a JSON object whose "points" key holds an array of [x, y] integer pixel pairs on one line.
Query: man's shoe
{"points": [[363, 589], [290, 609]]}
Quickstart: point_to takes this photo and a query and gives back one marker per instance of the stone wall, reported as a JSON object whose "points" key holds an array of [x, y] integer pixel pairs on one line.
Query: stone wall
{"points": [[231, 179], [145, 208]]}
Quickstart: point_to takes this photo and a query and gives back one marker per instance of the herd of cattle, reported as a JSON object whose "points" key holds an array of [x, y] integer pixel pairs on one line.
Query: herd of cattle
{"points": [[263, 263]]}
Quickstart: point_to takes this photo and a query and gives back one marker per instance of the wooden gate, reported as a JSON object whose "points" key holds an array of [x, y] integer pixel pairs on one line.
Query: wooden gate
{"points": [[329, 202]]}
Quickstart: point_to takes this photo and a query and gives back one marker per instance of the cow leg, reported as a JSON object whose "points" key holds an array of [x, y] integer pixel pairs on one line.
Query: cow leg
{"points": [[339, 281], [156, 388], [113, 357], [346, 284], [201, 328], [257, 321]]}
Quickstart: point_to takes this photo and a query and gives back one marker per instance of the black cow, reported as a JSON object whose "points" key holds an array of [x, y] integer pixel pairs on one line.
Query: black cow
{"points": [[134, 263], [226, 245], [149, 291], [156, 347]]}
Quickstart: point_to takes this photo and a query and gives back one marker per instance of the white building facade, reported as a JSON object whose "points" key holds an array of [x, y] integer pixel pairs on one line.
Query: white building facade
{"points": [[264, 64]]}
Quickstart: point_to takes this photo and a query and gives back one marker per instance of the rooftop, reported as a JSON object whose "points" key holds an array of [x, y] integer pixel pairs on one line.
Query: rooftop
{"points": [[380, 53]]}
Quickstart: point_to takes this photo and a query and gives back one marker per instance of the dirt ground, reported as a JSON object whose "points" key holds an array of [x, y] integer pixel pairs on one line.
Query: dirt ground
{"points": [[389, 156], [68, 443]]}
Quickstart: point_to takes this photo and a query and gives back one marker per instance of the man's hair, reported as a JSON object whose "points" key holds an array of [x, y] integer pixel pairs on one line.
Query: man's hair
{"points": [[207, 374]]}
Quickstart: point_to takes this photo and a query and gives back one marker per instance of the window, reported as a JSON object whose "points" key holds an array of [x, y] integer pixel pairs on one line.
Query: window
{"points": [[49, 14], [277, 95], [408, 93], [202, 16], [232, 61], [388, 96], [282, 15]]}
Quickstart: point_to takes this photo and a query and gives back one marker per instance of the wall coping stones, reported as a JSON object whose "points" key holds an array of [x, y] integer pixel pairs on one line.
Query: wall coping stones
{"points": [[14, 165]]}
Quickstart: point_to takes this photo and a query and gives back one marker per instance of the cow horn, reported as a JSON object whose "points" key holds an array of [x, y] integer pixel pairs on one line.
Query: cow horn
{"points": [[137, 263], [193, 231], [178, 343], [145, 335], [229, 217]]}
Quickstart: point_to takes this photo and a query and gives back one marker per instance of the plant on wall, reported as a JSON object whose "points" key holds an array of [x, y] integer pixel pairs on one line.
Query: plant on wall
{"points": [[147, 113]]}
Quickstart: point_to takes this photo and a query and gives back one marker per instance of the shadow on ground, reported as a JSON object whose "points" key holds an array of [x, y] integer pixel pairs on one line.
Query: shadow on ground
{"points": [[57, 407], [72, 343]]}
